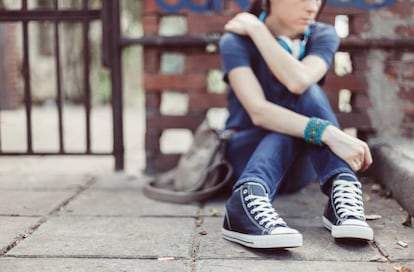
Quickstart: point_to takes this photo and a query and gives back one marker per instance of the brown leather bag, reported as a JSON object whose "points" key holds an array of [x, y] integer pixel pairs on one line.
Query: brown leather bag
{"points": [[199, 174]]}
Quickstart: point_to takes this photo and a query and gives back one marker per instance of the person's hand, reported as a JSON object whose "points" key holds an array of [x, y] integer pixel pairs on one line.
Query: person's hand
{"points": [[242, 23], [353, 151]]}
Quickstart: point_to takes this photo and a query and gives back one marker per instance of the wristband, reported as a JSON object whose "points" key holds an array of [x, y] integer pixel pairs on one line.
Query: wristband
{"points": [[314, 129]]}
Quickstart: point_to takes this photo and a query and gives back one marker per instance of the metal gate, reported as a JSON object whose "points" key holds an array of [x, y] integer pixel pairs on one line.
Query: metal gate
{"points": [[108, 14]]}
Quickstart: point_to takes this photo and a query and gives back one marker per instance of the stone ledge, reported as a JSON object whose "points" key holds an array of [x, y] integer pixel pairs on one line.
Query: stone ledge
{"points": [[393, 167]]}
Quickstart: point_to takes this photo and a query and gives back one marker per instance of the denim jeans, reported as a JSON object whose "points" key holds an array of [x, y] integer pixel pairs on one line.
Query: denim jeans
{"points": [[283, 163]]}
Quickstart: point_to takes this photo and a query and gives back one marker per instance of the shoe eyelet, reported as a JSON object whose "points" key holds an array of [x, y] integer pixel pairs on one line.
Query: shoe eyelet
{"points": [[245, 191], [256, 217], [251, 212]]}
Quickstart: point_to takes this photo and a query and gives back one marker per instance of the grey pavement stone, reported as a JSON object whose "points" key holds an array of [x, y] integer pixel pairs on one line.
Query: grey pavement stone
{"points": [[118, 181], [389, 229], [109, 237], [56, 165], [42, 182], [300, 266], [303, 211], [88, 265], [12, 227], [125, 203], [317, 246], [121, 195], [31, 202]]}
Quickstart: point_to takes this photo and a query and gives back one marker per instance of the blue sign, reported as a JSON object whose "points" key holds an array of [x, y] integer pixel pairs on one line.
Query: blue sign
{"points": [[210, 5], [361, 4], [217, 5]]}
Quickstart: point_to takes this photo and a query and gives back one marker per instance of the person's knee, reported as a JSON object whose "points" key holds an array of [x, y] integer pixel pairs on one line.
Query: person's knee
{"points": [[314, 103]]}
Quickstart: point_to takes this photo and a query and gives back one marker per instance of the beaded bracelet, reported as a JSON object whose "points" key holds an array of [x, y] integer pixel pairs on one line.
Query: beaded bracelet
{"points": [[314, 130]]}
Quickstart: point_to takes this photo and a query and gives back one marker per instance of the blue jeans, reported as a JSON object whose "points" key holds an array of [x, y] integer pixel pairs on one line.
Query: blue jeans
{"points": [[283, 163]]}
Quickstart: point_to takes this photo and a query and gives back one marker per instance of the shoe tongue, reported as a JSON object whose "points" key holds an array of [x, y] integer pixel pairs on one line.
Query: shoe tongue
{"points": [[347, 177], [256, 189]]}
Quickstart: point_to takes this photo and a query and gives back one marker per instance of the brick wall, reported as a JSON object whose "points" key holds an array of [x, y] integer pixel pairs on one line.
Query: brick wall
{"points": [[391, 73]]}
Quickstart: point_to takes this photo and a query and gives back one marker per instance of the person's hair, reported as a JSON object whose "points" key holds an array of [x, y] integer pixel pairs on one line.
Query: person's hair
{"points": [[257, 6]]}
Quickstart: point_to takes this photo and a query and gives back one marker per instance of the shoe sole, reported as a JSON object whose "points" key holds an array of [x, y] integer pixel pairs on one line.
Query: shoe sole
{"points": [[289, 240], [349, 231]]}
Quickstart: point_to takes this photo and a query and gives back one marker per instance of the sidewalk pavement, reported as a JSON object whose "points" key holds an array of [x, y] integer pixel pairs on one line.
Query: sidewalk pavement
{"points": [[102, 222], [76, 214]]}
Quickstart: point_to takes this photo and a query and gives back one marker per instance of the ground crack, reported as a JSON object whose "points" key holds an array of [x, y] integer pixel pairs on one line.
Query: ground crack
{"points": [[42, 220]]}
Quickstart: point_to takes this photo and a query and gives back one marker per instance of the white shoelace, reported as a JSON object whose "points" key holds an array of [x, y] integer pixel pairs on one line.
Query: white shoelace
{"points": [[264, 211], [348, 199]]}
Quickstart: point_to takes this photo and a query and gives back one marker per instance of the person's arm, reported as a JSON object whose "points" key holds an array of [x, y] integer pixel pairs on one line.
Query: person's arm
{"points": [[268, 115], [296, 75]]}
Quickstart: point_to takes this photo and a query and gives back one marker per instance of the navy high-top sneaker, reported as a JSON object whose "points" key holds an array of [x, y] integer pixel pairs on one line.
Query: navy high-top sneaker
{"points": [[344, 214], [250, 220]]}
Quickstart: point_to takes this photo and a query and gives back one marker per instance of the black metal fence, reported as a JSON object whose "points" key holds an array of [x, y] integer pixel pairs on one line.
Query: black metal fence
{"points": [[109, 15]]}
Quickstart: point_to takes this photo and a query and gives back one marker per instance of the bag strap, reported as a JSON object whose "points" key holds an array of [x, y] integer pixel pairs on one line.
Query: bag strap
{"points": [[153, 191]]}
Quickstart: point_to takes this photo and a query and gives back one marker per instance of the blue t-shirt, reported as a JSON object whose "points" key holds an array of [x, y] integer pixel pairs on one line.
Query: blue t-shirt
{"points": [[240, 51]]}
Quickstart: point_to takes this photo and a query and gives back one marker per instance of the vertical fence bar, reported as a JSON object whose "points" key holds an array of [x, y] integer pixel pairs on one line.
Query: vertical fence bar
{"points": [[115, 53], [86, 80], [0, 134], [27, 81], [2, 44], [59, 97]]}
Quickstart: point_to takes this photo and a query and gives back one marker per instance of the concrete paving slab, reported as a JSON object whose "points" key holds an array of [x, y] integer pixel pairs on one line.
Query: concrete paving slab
{"points": [[396, 241], [88, 265], [128, 202], [57, 165], [31, 203], [109, 237], [302, 266], [122, 195], [118, 181], [389, 229], [42, 182], [303, 211], [12, 227], [318, 245]]}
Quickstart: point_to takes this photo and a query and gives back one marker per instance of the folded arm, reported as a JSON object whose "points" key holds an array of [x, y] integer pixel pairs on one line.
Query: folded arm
{"points": [[296, 75], [263, 113]]}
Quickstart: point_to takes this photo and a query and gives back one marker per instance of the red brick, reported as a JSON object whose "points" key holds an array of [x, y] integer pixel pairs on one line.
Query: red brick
{"points": [[406, 31], [401, 71], [402, 9], [361, 101], [198, 23], [202, 63], [150, 24], [406, 94], [355, 83], [152, 60], [205, 101], [359, 24], [152, 101], [166, 121], [150, 6], [359, 120], [175, 82]]}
